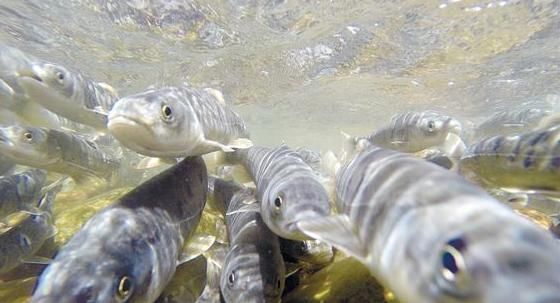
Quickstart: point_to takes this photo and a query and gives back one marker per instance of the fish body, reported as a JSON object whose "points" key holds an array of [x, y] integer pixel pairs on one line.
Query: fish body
{"points": [[19, 191], [415, 131], [287, 188], [510, 122], [177, 122], [23, 233], [253, 269], [69, 94], [129, 251], [429, 235], [6, 166], [529, 160], [56, 151]]}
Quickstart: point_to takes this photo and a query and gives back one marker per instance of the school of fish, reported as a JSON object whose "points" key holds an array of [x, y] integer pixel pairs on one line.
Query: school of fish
{"points": [[430, 209]]}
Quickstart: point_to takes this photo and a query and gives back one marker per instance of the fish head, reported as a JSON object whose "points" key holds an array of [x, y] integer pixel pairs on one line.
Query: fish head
{"points": [[487, 266], [27, 145], [291, 201], [155, 123], [432, 129], [91, 277], [250, 276], [48, 81]]}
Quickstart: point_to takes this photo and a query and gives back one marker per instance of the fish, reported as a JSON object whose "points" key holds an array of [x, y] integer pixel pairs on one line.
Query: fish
{"points": [[129, 251], [13, 63], [174, 122], [56, 151], [429, 235], [19, 191], [530, 160], [415, 131], [510, 122], [23, 233], [288, 189], [69, 94], [253, 269]]}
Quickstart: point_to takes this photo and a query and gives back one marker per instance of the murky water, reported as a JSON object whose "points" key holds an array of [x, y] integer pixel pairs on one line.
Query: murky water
{"points": [[302, 71]]}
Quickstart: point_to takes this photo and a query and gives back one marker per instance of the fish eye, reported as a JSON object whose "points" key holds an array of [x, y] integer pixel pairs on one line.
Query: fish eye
{"points": [[125, 288], [60, 77], [166, 112], [431, 126], [278, 202], [28, 136], [231, 278], [25, 242], [453, 267]]}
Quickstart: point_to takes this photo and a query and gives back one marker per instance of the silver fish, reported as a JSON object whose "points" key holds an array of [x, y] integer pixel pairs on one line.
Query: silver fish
{"points": [[23, 233], [56, 151], [129, 251], [19, 191], [510, 122], [13, 64], [253, 269], [177, 122], [528, 161], [415, 131], [429, 235], [69, 94], [289, 190]]}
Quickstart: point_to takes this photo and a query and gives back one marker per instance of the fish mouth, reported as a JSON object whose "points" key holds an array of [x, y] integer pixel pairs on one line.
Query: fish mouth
{"points": [[33, 73], [133, 133], [454, 127]]}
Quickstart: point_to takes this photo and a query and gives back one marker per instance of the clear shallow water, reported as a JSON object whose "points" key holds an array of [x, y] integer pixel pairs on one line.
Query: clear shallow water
{"points": [[302, 71]]}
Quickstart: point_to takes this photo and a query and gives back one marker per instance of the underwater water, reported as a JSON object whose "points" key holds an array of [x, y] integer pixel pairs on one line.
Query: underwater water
{"points": [[298, 72]]}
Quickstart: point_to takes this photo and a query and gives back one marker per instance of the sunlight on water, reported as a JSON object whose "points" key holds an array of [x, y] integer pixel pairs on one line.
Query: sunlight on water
{"points": [[299, 72]]}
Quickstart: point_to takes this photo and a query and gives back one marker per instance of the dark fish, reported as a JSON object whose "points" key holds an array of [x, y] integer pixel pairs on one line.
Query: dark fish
{"points": [[129, 251]]}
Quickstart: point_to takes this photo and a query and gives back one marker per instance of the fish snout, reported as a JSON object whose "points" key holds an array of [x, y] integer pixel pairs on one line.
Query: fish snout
{"points": [[454, 126]]}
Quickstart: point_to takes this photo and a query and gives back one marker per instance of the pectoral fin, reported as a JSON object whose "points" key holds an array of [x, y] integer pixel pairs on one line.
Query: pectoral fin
{"points": [[197, 245], [338, 231], [36, 260], [149, 162]]}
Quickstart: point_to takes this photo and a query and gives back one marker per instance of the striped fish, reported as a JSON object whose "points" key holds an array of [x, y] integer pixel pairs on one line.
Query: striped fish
{"points": [[528, 161], [56, 151], [289, 190], [253, 270], [22, 233], [128, 252], [19, 191], [415, 131], [511, 122], [431, 236], [177, 122], [69, 94]]}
